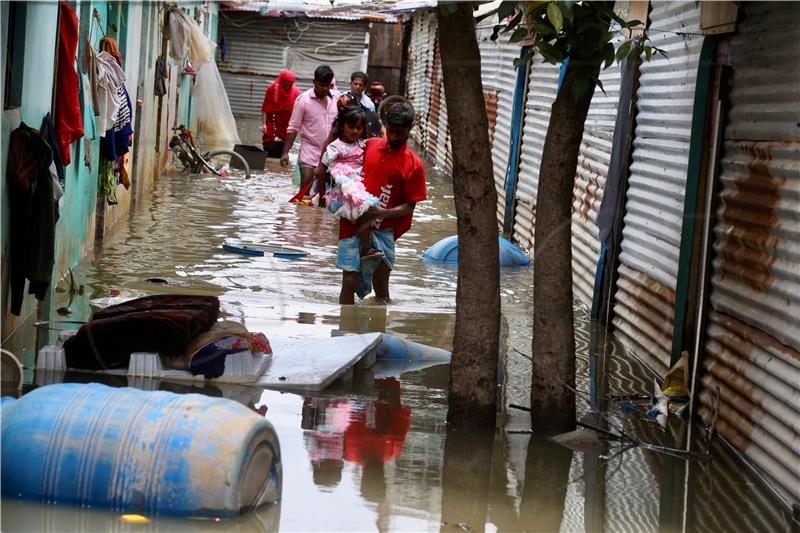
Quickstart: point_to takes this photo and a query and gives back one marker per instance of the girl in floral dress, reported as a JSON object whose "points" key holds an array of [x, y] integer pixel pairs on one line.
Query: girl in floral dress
{"points": [[344, 159]]}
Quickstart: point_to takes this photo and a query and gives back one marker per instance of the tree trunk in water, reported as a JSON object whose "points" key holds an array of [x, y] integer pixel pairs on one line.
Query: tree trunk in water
{"points": [[552, 401], [473, 370]]}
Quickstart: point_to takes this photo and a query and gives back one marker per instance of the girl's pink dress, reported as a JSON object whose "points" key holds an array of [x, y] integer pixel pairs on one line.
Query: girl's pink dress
{"points": [[348, 198]]}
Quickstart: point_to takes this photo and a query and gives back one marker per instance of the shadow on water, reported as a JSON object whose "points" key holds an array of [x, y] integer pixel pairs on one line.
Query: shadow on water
{"points": [[373, 452]]}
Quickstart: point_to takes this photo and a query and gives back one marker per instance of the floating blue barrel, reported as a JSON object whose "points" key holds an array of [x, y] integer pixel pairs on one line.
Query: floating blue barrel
{"points": [[151, 453], [446, 251]]}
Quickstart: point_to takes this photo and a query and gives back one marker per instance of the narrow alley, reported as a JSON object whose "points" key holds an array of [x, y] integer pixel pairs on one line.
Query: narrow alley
{"points": [[176, 351]]}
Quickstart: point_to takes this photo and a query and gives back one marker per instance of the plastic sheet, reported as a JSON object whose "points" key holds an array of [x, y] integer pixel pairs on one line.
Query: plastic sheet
{"points": [[215, 123], [186, 38]]}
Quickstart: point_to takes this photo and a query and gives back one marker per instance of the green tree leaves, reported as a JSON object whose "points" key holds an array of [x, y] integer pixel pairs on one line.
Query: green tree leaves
{"points": [[555, 17], [582, 31]]}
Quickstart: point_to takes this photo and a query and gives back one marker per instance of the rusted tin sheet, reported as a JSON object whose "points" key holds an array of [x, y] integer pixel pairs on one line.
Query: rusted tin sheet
{"points": [[444, 151], [752, 349], [436, 105], [490, 99], [757, 237], [434, 133], [369, 11], [542, 87], [657, 183], [759, 384], [644, 312]]}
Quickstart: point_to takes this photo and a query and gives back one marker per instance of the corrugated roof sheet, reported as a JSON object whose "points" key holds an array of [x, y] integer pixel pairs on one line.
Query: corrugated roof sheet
{"points": [[379, 10]]}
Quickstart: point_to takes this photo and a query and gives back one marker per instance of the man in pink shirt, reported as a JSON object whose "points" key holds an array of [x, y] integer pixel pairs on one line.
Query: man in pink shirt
{"points": [[313, 114]]}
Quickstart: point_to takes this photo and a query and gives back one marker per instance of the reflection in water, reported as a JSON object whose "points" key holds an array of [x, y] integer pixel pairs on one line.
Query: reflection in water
{"points": [[546, 480], [465, 480], [365, 432], [30, 516]]}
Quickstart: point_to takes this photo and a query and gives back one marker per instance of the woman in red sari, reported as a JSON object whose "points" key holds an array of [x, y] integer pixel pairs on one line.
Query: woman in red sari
{"points": [[276, 111]]}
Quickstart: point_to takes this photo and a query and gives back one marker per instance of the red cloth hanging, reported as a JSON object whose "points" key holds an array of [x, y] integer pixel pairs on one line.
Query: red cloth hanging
{"points": [[68, 119]]}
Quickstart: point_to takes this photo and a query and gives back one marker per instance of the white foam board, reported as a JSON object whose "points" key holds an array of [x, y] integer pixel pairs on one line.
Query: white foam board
{"points": [[314, 363]]}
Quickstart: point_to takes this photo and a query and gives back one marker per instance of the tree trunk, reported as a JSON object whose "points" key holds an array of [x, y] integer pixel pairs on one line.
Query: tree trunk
{"points": [[553, 376], [473, 370]]}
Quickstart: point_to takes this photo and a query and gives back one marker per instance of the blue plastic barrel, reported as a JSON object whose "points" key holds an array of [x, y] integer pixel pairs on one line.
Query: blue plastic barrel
{"points": [[446, 251], [151, 453]]}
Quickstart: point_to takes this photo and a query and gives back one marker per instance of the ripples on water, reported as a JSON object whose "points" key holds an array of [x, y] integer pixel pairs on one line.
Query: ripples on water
{"points": [[375, 453]]}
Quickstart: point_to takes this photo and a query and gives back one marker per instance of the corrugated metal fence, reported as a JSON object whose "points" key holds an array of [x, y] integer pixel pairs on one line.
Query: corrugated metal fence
{"points": [[590, 180], [752, 345], [752, 350], [420, 68], [542, 87], [651, 237], [258, 49], [498, 77]]}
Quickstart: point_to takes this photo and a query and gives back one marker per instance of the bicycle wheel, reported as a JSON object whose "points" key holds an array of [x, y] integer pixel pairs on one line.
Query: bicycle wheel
{"points": [[221, 162]]}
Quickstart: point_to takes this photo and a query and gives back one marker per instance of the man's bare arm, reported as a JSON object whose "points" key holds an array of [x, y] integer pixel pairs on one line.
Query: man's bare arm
{"points": [[375, 213]]}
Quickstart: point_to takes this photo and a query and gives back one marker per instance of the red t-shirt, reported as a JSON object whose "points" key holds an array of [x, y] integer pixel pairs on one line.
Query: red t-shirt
{"points": [[395, 176]]}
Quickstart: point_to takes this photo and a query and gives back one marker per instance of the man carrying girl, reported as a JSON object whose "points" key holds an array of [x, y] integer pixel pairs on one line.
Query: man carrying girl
{"points": [[394, 175]]}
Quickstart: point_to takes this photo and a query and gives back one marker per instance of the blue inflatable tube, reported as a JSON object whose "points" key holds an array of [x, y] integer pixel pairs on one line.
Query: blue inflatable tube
{"points": [[446, 251], [150, 453], [395, 356]]}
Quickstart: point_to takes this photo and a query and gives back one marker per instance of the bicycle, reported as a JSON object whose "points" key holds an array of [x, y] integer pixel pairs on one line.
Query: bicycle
{"points": [[217, 161]]}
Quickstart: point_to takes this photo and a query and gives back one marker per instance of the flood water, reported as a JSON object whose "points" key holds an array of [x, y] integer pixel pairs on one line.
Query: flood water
{"points": [[375, 454]]}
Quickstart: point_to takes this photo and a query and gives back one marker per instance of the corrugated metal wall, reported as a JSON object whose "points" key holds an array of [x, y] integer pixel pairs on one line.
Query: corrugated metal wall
{"points": [[257, 48], [426, 92], [651, 234], [752, 352], [420, 68], [443, 153], [590, 181], [541, 95], [499, 78], [437, 141]]}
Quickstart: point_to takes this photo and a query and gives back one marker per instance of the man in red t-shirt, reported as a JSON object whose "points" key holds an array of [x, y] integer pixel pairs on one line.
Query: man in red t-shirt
{"points": [[394, 174]]}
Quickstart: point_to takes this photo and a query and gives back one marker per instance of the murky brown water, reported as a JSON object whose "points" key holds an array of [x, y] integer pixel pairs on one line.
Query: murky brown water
{"points": [[375, 454]]}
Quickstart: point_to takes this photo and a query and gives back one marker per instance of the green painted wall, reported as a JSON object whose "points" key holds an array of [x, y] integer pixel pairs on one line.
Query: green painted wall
{"points": [[37, 91], [76, 227], [40, 47]]}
